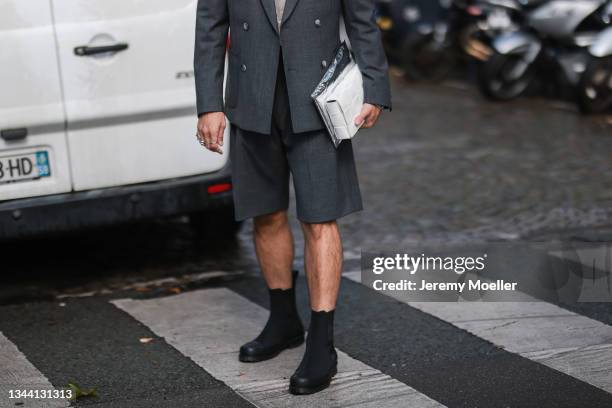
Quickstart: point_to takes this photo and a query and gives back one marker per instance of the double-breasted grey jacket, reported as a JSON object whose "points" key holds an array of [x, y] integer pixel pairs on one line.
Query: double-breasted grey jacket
{"points": [[308, 37]]}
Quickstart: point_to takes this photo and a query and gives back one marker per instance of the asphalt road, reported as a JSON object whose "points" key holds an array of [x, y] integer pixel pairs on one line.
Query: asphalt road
{"points": [[445, 168]]}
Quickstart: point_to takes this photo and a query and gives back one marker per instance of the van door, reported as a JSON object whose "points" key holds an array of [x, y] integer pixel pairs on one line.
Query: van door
{"points": [[127, 69], [33, 153]]}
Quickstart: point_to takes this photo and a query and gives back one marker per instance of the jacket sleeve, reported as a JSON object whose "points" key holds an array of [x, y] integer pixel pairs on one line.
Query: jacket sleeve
{"points": [[365, 38], [212, 25]]}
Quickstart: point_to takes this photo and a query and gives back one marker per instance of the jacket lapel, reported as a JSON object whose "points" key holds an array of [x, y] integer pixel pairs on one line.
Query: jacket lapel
{"points": [[270, 9], [289, 7]]}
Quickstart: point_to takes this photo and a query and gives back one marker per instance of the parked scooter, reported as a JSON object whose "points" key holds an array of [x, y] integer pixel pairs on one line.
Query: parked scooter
{"points": [[554, 40], [428, 39], [497, 17], [595, 90], [407, 26]]}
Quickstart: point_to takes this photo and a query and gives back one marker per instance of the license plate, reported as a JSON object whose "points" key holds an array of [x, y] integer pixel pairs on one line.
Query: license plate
{"points": [[23, 167]]}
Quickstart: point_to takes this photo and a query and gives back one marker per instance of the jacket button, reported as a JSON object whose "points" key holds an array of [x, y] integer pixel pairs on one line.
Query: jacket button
{"points": [[243, 67], [317, 22], [245, 26], [324, 64]]}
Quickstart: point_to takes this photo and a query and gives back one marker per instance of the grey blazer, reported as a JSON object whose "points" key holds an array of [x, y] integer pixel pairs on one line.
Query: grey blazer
{"points": [[308, 37]]}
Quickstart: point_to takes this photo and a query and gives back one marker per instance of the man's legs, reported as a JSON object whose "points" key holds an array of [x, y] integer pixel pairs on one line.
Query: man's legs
{"points": [[322, 257], [323, 262], [274, 248]]}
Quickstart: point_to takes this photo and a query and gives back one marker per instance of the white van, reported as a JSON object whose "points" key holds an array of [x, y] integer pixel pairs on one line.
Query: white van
{"points": [[97, 117]]}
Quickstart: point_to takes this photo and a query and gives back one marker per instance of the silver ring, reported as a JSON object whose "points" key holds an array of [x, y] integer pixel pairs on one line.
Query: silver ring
{"points": [[201, 140]]}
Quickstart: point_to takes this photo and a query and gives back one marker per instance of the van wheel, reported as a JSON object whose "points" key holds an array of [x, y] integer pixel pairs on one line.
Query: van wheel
{"points": [[215, 223]]}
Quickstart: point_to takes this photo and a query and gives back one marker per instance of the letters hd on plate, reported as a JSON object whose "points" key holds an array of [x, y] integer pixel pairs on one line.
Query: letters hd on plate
{"points": [[25, 166]]}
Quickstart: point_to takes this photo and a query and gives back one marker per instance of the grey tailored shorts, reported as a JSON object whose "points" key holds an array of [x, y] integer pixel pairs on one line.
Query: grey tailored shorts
{"points": [[324, 178]]}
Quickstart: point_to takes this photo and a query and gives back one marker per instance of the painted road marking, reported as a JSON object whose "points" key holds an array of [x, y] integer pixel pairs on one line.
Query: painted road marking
{"points": [[209, 326], [17, 373], [558, 338]]}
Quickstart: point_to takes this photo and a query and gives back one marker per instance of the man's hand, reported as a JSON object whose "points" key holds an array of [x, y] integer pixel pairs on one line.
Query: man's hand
{"points": [[211, 127], [368, 116]]}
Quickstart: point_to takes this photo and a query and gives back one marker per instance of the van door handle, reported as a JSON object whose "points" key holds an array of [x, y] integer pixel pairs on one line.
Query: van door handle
{"points": [[14, 134], [85, 50]]}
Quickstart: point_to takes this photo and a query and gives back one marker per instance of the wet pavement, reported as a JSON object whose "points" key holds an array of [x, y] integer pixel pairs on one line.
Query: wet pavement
{"points": [[444, 166], [449, 166]]}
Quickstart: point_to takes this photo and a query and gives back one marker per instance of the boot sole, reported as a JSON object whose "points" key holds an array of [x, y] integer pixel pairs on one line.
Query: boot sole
{"points": [[311, 390], [293, 343]]}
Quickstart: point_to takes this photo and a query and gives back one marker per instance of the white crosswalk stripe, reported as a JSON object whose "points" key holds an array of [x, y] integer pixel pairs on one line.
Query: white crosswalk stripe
{"points": [[558, 338], [17, 373], [209, 326]]}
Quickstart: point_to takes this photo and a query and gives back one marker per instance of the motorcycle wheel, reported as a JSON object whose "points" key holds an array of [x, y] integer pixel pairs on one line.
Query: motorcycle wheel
{"points": [[595, 89], [424, 60], [494, 81]]}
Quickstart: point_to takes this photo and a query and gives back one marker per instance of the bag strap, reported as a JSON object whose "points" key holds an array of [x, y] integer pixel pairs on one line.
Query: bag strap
{"points": [[344, 34]]}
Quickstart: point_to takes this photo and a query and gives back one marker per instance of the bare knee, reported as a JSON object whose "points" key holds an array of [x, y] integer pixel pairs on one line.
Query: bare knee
{"points": [[270, 223], [315, 232]]}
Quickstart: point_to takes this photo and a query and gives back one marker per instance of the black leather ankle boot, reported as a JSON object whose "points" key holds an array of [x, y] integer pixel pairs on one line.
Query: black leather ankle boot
{"points": [[320, 361], [284, 328]]}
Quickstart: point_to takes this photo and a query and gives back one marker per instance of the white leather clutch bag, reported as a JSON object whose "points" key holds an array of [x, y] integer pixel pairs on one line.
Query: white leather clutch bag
{"points": [[339, 96]]}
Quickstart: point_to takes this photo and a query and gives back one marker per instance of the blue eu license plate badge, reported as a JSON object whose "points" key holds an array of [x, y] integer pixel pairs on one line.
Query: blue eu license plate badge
{"points": [[42, 164]]}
